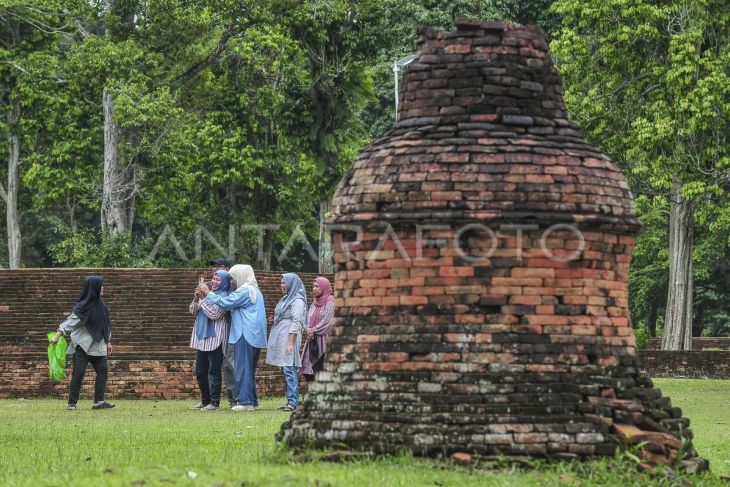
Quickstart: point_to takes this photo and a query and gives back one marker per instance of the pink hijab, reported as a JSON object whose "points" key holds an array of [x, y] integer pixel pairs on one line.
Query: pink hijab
{"points": [[326, 297]]}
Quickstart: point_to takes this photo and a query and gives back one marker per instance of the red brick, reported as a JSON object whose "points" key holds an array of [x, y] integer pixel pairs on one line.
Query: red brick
{"points": [[521, 272], [428, 291], [547, 319], [535, 300], [456, 271], [457, 49], [413, 300]]}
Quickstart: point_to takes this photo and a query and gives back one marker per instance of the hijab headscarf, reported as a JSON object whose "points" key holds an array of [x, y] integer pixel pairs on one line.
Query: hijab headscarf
{"points": [[319, 302], [244, 276], [294, 290], [204, 326], [92, 311]]}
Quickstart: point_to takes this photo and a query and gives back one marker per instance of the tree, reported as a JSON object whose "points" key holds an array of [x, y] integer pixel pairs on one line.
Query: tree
{"points": [[340, 40], [29, 33], [649, 82], [234, 153]]}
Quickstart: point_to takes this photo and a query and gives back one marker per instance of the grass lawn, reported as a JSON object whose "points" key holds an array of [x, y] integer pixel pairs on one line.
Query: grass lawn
{"points": [[164, 443], [707, 405]]}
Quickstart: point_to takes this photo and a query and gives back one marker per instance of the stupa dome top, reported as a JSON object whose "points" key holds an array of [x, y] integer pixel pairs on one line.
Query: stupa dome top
{"points": [[483, 134]]}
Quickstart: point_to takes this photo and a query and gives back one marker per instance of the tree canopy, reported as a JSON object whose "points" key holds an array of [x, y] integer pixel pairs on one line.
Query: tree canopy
{"points": [[217, 126]]}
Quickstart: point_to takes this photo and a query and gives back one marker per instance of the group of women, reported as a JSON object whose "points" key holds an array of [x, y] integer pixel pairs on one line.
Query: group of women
{"points": [[230, 311], [229, 333]]}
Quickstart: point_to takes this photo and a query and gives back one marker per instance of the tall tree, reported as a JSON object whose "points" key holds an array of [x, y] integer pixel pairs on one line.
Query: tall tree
{"points": [[120, 176], [176, 41], [29, 34], [650, 82]]}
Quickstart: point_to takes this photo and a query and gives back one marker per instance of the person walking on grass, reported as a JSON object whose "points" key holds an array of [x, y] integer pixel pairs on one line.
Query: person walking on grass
{"points": [[248, 330], [90, 332], [210, 334], [229, 374], [285, 339]]}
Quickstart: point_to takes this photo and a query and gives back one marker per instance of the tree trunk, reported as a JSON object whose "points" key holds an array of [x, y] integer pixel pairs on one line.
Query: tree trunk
{"points": [[117, 205], [11, 194], [264, 263], [678, 323], [71, 206], [652, 318], [326, 255]]}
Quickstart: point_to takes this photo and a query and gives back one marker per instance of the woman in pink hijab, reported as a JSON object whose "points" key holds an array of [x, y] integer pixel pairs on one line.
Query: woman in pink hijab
{"points": [[321, 316]]}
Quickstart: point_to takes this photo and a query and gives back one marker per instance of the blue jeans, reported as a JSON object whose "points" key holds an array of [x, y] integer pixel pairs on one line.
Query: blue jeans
{"points": [[208, 374], [292, 384], [245, 359], [229, 373]]}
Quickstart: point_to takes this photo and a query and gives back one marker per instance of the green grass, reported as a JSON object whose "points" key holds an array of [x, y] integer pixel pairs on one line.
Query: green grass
{"points": [[164, 443], [707, 405]]}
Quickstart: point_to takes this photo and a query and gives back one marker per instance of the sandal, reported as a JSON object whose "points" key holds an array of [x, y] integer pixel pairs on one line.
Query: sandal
{"points": [[104, 405], [288, 408]]}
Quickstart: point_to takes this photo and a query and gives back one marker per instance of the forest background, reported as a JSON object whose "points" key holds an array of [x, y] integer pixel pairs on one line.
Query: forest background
{"points": [[167, 132]]}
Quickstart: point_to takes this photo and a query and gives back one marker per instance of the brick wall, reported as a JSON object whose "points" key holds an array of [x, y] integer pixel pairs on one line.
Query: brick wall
{"points": [[698, 343], [709, 364], [151, 330]]}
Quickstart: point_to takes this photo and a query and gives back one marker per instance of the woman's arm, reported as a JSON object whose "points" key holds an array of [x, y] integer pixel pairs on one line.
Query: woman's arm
{"points": [[237, 299], [298, 315], [66, 327], [212, 311], [322, 327], [194, 306]]}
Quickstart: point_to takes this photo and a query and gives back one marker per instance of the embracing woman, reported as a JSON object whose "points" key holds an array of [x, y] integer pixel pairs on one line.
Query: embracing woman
{"points": [[210, 335]]}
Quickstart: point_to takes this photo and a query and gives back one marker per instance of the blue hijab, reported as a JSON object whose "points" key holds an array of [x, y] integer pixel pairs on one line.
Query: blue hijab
{"points": [[294, 290], [204, 327]]}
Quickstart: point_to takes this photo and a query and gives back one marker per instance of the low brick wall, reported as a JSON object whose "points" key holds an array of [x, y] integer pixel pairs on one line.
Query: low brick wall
{"points": [[704, 343], [128, 379], [151, 331], [691, 364]]}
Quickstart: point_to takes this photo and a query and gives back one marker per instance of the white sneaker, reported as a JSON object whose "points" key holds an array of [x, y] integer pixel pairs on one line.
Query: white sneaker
{"points": [[241, 407]]}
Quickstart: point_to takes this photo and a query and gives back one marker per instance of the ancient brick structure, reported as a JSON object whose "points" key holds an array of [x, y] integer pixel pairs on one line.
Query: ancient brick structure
{"points": [[482, 258], [151, 331]]}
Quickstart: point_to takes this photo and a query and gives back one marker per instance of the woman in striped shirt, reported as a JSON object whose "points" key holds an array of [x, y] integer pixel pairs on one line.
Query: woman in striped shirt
{"points": [[210, 334]]}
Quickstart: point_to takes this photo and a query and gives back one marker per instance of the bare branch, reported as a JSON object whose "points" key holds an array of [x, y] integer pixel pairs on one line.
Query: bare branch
{"points": [[16, 66], [82, 30], [45, 28]]}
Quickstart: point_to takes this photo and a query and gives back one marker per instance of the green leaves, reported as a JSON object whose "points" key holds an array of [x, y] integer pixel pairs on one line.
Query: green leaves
{"points": [[648, 82]]}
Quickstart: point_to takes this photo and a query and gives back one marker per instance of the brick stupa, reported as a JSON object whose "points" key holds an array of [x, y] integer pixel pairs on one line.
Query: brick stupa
{"points": [[482, 250]]}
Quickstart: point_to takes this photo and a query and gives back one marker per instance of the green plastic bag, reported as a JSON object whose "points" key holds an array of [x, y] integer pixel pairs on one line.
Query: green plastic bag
{"points": [[57, 358]]}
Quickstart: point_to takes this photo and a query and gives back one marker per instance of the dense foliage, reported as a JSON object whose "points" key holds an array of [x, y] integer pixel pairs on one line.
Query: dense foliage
{"points": [[649, 81], [239, 117]]}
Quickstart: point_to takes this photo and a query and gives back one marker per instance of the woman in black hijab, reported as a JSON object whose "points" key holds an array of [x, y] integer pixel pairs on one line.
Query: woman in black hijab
{"points": [[90, 332]]}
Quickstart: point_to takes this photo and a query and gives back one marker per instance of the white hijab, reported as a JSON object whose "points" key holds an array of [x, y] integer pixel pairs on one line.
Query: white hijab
{"points": [[244, 276]]}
